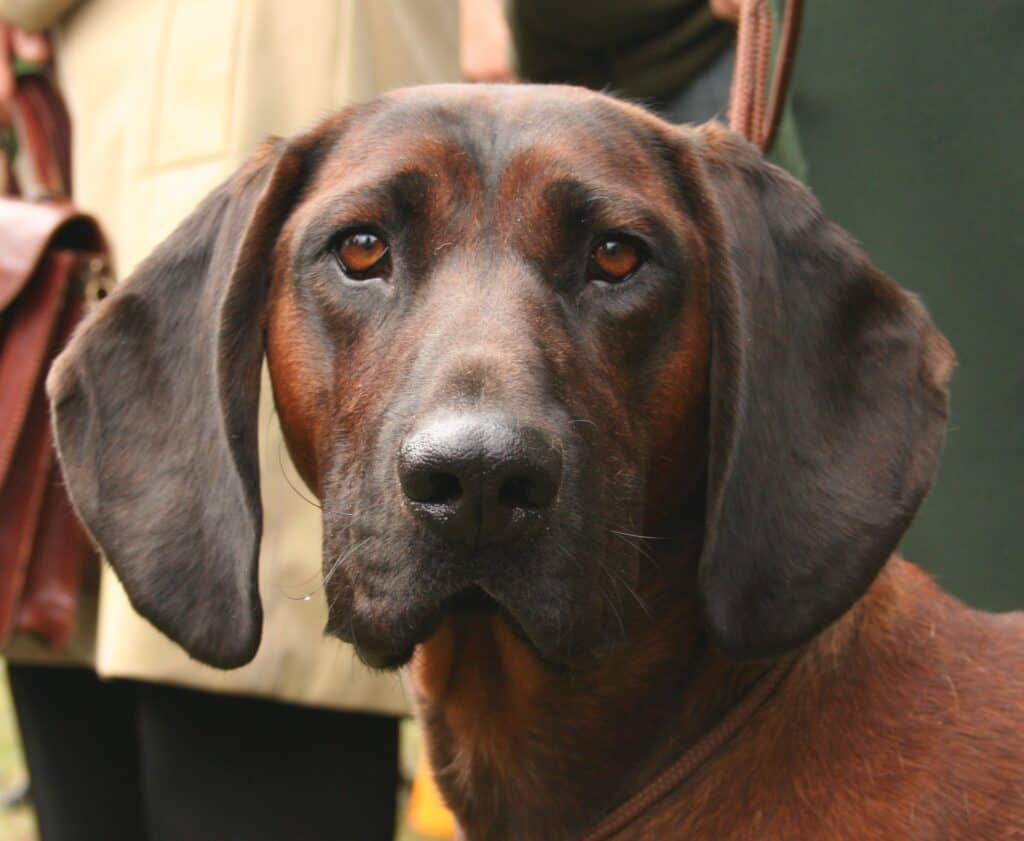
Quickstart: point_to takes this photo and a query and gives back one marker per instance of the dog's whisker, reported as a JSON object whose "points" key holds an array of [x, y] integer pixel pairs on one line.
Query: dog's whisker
{"points": [[639, 550], [291, 484], [618, 614], [322, 585], [364, 512], [306, 595], [340, 561], [334, 601], [629, 542], [639, 536], [636, 596], [608, 597]]}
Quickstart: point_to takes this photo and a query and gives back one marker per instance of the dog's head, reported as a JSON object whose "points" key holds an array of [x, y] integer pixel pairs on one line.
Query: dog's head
{"points": [[509, 329]]}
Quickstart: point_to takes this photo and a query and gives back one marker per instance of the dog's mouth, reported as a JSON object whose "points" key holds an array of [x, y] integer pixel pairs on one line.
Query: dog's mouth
{"points": [[472, 600], [476, 601]]}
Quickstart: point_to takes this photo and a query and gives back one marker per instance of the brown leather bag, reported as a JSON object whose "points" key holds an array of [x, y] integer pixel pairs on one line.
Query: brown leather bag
{"points": [[51, 259]]}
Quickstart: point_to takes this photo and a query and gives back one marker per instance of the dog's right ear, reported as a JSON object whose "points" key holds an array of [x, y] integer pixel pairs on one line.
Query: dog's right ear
{"points": [[155, 404], [828, 405]]}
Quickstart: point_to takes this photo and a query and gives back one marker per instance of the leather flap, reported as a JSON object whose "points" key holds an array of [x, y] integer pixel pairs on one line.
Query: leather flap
{"points": [[29, 229], [27, 347]]}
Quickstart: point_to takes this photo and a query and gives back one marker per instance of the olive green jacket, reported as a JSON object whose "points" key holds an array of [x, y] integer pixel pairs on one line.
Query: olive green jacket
{"points": [[646, 49], [912, 125]]}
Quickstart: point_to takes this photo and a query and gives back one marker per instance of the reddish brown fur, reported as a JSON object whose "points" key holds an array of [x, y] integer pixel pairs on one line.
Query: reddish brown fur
{"points": [[891, 726], [894, 725]]}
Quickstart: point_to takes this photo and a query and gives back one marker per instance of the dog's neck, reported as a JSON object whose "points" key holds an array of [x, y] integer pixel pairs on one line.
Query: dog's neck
{"points": [[523, 752]]}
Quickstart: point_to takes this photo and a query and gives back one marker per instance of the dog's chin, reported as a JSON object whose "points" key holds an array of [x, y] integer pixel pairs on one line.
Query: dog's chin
{"points": [[390, 653]]}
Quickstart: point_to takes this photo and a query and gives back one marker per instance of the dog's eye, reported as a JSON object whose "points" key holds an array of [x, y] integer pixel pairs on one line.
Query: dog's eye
{"points": [[614, 260], [361, 254]]}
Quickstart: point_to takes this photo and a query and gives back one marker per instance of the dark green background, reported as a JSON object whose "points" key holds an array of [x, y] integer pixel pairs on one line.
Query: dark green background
{"points": [[911, 120]]}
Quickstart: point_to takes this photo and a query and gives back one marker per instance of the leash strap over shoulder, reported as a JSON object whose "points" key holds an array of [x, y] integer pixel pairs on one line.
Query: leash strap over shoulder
{"points": [[755, 111]]}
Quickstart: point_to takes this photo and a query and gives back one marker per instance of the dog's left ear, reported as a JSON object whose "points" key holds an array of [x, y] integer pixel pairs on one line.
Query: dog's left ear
{"points": [[828, 405], [155, 413]]}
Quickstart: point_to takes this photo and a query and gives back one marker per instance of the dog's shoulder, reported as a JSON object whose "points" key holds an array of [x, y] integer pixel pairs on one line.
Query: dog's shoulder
{"points": [[937, 689], [951, 666], [903, 720], [976, 695]]}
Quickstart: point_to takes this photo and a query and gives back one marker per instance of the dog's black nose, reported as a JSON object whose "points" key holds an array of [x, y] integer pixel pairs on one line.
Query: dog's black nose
{"points": [[477, 479]]}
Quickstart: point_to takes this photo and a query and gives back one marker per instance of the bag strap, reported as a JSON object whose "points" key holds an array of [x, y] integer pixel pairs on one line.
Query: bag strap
{"points": [[755, 112], [42, 132]]}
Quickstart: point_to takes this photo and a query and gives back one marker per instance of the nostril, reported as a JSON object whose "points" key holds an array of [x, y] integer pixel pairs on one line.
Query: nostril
{"points": [[444, 488], [526, 492], [515, 493], [432, 487]]}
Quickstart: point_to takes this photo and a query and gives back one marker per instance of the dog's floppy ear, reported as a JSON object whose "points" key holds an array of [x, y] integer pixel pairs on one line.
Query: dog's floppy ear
{"points": [[828, 407], [155, 405]]}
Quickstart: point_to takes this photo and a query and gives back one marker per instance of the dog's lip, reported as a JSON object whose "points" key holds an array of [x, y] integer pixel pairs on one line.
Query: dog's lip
{"points": [[386, 654], [383, 658], [472, 599], [476, 600]]}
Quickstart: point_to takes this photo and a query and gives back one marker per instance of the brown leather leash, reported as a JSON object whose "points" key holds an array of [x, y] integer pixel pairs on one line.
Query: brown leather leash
{"points": [[693, 759], [755, 111]]}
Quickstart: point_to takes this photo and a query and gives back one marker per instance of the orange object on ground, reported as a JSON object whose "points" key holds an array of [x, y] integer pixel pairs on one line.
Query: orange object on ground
{"points": [[427, 812]]}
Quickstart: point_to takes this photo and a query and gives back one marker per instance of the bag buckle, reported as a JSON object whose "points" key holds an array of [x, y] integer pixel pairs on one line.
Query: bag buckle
{"points": [[97, 281]]}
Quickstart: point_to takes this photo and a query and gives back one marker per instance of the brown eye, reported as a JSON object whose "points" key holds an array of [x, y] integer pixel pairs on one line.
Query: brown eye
{"points": [[361, 253], [615, 259]]}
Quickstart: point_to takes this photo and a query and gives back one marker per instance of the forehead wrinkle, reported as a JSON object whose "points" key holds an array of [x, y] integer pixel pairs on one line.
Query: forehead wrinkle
{"points": [[537, 182], [416, 131], [373, 176], [586, 125], [568, 154], [357, 164]]}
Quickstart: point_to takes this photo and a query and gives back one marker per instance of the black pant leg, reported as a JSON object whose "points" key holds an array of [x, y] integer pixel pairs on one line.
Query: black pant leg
{"points": [[227, 768], [79, 736]]}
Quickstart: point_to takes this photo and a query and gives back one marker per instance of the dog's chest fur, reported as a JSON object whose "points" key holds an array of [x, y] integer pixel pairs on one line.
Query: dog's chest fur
{"points": [[928, 747]]}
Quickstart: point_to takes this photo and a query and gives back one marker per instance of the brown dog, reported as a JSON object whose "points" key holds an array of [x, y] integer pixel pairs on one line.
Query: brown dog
{"points": [[615, 436]]}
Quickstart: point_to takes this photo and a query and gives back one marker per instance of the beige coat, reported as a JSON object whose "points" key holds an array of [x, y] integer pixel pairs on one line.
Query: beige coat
{"points": [[167, 98]]}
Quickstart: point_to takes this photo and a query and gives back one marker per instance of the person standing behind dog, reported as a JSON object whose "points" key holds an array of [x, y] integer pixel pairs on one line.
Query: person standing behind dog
{"points": [[674, 55], [167, 98]]}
